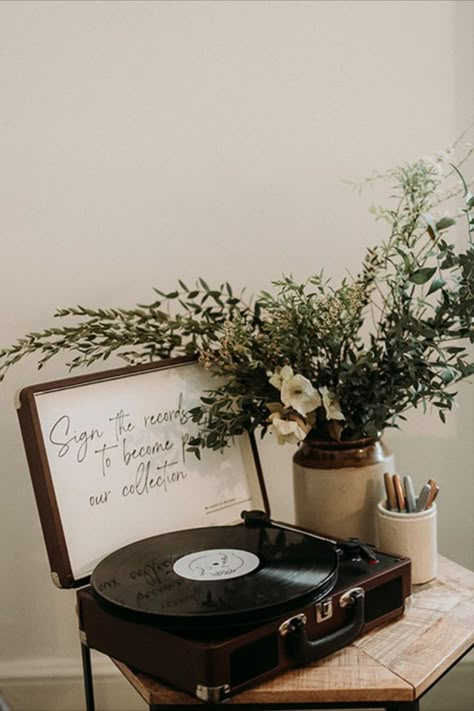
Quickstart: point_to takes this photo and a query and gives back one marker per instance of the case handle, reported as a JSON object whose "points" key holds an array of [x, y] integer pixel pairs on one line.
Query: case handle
{"points": [[303, 650]]}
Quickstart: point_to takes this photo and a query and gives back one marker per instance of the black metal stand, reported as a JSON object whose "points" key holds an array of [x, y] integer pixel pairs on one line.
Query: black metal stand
{"points": [[87, 673]]}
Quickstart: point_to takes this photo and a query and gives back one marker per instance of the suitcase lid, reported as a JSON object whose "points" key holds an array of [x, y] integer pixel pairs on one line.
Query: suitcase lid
{"points": [[108, 461]]}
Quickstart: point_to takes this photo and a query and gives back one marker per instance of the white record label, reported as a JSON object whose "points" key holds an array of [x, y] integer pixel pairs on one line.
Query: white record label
{"points": [[216, 564]]}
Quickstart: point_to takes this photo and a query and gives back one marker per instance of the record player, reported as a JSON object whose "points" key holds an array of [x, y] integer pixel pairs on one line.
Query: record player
{"points": [[182, 574]]}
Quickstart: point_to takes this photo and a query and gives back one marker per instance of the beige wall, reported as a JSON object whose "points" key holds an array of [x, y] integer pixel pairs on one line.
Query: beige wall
{"points": [[145, 141]]}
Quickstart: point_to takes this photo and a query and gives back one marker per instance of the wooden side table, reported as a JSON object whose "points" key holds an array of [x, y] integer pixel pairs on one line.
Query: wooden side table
{"points": [[391, 667]]}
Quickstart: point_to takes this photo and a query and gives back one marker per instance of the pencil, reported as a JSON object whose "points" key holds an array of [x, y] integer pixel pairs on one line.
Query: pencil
{"points": [[390, 490], [409, 493], [423, 498], [433, 493], [399, 493]]}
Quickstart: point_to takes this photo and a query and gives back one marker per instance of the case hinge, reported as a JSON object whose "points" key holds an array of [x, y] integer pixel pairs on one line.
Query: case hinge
{"points": [[83, 637], [212, 694], [55, 579]]}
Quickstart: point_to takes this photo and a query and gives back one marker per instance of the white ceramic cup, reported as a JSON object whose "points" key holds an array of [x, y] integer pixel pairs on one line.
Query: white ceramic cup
{"points": [[413, 535]]}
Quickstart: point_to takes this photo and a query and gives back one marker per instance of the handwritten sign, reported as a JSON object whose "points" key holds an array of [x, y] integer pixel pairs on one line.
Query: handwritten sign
{"points": [[117, 460]]}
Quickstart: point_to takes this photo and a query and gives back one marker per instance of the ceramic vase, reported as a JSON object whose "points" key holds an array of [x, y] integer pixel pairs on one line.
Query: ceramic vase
{"points": [[337, 486]]}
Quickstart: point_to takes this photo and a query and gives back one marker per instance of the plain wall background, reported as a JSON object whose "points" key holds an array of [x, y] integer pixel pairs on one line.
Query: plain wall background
{"points": [[143, 142]]}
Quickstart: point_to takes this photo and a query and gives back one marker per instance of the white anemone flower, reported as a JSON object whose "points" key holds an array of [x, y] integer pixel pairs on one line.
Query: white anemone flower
{"points": [[298, 393], [331, 404], [287, 431], [280, 376]]}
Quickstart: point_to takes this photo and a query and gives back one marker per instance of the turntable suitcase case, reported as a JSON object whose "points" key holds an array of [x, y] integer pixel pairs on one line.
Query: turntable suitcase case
{"points": [[109, 466], [215, 665]]}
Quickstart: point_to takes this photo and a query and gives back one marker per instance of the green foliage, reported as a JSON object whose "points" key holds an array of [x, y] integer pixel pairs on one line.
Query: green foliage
{"points": [[394, 337]]}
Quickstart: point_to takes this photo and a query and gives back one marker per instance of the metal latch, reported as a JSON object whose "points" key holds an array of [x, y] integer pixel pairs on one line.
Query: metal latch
{"points": [[212, 694], [324, 610]]}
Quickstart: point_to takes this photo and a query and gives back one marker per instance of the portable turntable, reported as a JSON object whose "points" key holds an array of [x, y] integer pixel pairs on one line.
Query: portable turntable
{"points": [[174, 583]]}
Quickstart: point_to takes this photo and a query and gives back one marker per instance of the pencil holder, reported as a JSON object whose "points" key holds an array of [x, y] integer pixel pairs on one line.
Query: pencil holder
{"points": [[413, 535]]}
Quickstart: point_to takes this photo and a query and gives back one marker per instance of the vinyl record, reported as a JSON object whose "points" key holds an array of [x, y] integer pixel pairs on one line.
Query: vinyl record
{"points": [[216, 578]]}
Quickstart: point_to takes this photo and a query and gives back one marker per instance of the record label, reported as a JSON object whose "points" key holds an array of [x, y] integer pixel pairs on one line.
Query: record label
{"points": [[216, 564]]}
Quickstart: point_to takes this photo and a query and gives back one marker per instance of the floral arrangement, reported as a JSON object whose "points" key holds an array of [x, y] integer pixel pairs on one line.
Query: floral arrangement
{"points": [[311, 359]]}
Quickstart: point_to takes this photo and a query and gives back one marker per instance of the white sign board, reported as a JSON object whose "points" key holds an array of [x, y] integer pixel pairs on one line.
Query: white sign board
{"points": [[117, 460]]}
